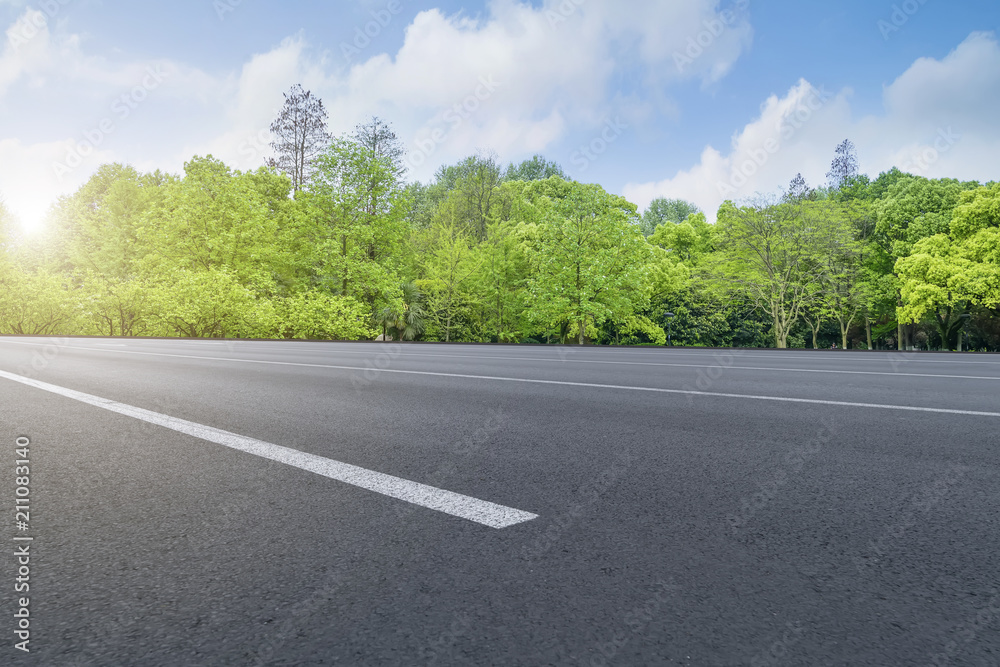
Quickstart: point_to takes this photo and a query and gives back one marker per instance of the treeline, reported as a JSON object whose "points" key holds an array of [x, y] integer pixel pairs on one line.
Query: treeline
{"points": [[336, 245]]}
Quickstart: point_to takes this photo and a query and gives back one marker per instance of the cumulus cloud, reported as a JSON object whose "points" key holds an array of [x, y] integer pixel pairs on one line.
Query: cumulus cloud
{"points": [[522, 77], [27, 49], [517, 78], [93, 102], [939, 121]]}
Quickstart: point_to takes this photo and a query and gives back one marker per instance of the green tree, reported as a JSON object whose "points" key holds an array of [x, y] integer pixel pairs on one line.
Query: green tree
{"points": [[213, 219], [98, 228], [317, 315], [405, 322], [662, 210], [473, 194], [689, 240], [535, 169], [798, 190], [777, 253], [116, 307], [362, 209], [209, 303], [499, 282], [449, 265], [945, 274], [913, 208], [591, 263], [37, 302]]}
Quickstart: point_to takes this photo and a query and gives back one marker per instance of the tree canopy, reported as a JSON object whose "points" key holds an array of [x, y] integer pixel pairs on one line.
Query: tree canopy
{"points": [[346, 249]]}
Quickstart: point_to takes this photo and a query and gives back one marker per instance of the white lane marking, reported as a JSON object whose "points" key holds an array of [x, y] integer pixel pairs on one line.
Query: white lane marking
{"points": [[455, 504], [878, 356], [660, 363], [886, 356], [627, 363], [567, 383], [111, 344]]}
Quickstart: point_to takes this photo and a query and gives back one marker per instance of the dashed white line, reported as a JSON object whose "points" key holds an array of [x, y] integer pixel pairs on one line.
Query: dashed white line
{"points": [[448, 502]]}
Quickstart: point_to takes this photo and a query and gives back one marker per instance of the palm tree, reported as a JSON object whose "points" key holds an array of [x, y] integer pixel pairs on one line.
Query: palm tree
{"points": [[411, 324], [387, 318], [405, 324]]}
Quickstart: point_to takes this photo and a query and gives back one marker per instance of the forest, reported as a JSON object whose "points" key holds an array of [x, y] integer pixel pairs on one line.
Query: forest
{"points": [[328, 240]]}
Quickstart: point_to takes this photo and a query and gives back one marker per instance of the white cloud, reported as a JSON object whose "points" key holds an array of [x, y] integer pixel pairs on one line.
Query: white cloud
{"points": [[939, 121], [51, 68], [552, 66], [532, 74], [27, 49]]}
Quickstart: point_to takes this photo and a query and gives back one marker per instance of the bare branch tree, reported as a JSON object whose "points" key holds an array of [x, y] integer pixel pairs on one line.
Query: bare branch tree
{"points": [[379, 139], [844, 166], [798, 190], [300, 135]]}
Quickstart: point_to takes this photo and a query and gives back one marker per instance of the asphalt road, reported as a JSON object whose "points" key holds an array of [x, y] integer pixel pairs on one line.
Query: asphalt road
{"points": [[649, 506]]}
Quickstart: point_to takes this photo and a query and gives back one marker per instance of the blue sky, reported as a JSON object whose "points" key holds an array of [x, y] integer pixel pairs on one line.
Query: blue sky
{"points": [[769, 92]]}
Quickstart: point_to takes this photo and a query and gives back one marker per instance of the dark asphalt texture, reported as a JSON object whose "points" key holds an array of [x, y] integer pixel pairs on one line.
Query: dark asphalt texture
{"points": [[673, 529]]}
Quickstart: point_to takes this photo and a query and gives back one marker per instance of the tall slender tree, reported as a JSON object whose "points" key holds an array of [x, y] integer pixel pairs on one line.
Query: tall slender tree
{"points": [[474, 192], [844, 167], [300, 135], [377, 137], [798, 189]]}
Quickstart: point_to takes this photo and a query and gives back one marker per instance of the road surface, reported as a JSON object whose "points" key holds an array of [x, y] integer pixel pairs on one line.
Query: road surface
{"points": [[293, 503]]}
